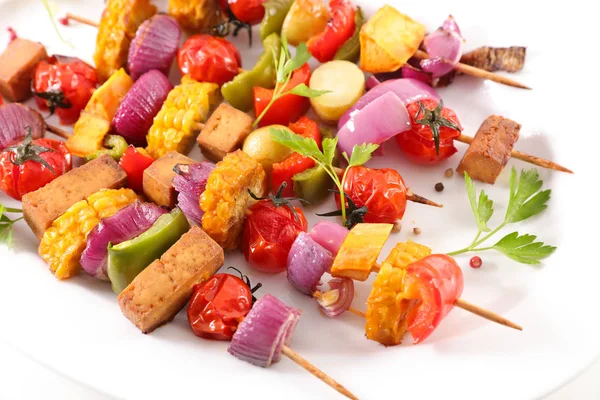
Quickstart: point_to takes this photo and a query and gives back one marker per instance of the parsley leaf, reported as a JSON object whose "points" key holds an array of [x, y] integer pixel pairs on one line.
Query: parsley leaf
{"points": [[525, 201], [482, 209], [523, 249], [6, 224], [361, 154], [305, 91], [525, 198], [329, 146], [304, 146]]}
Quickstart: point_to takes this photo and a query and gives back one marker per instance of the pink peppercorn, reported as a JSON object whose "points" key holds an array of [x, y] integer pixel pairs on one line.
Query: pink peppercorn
{"points": [[475, 262]]}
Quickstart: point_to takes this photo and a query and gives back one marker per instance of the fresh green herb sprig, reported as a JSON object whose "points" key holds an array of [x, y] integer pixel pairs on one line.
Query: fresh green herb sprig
{"points": [[51, 15], [308, 147], [525, 201], [285, 66], [6, 224]]}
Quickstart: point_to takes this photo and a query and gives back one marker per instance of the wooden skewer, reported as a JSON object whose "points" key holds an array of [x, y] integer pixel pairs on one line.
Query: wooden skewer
{"points": [[524, 157], [82, 20], [318, 295], [58, 131], [477, 72], [295, 357], [482, 312]]}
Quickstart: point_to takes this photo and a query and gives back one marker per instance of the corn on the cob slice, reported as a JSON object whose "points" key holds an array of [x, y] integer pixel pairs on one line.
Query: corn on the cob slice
{"points": [[393, 295], [194, 15], [176, 125], [120, 21], [226, 198], [63, 243], [95, 121]]}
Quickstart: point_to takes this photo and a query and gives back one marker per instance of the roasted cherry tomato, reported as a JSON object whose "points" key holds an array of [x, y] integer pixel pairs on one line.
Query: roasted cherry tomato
{"points": [[30, 164], [219, 305], [65, 85], [0, 100], [294, 164], [208, 58], [418, 143], [340, 28], [134, 162], [285, 109], [438, 281], [248, 11], [382, 190], [269, 233]]}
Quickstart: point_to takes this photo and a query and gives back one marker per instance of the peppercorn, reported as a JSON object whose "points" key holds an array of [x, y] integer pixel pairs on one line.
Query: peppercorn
{"points": [[439, 187], [416, 231], [475, 262], [449, 172]]}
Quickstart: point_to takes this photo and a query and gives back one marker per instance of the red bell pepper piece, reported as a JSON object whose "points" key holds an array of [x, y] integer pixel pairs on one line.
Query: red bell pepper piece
{"points": [[294, 164], [285, 109], [440, 283], [134, 162], [338, 30]]}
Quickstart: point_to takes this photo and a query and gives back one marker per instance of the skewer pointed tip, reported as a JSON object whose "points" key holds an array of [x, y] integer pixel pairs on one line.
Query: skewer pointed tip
{"points": [[487, 314], [420, 199]]}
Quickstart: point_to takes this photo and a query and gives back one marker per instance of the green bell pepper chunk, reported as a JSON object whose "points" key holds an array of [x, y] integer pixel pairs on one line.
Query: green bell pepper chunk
{"points": [[115, 147], [350, 50], [275, 12], [238, 92], [127, 259], [312, 185]]}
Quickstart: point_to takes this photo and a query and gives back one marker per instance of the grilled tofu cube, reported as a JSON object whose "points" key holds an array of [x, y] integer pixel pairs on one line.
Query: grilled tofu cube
{"points": [[162, 289], [490, 149], [43, 206], [17, 65], [157, 180], [224, 132]]}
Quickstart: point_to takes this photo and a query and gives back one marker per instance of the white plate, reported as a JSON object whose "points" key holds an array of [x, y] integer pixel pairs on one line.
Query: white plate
{"points": [[76, 328]]}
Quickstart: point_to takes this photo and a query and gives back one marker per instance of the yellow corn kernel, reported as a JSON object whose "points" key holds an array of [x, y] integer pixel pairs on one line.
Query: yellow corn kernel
{"points": [[226, 198], [405, 253], [63, 243], [194, 15], [119, 23], [360, 250], [178, 122]]}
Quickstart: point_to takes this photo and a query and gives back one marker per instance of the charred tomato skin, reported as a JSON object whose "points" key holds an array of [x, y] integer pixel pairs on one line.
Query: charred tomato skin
{"points": [[269, 233]]}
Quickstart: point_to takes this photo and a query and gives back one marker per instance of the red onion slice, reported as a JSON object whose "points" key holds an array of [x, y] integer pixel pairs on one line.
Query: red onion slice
{"points": [[381, 119], [408, 71], [190, 182], [261, 336], [140, 105], [128, 223], [307, 262], [407, 90], [371, 82], [445, 47], [14, 118], [154, 46], [338, 298], [329, 235]]}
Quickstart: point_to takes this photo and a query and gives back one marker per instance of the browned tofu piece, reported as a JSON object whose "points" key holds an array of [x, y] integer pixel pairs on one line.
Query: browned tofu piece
{"points": [[162, 289], [490, 149], [43, 206], [224, 132], [17, 65], [509, 59], [158, 176]]}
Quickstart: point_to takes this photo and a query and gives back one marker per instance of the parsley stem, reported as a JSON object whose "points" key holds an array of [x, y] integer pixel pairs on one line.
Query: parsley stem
{"points": [[489, 235], [262, 114], [343, 196]]}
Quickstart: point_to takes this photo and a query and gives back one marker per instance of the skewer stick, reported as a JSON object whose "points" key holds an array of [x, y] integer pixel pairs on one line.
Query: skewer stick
{"points": [[58, 131], [292, 355], [477, 72], [481, 312], [524, 157], [318, 295], [82, 20]]}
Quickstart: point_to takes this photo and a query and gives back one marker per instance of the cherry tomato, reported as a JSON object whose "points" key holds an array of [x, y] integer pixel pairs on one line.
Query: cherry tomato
{"points": [[134, 162], [340, 28], [418, 144], [208, 58], [21, 170], [439, 282], [218, 306], [248, 11], [0, 100], [64, 84], [269, 233], [382, 190], [294, 164], [285, 109]]}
